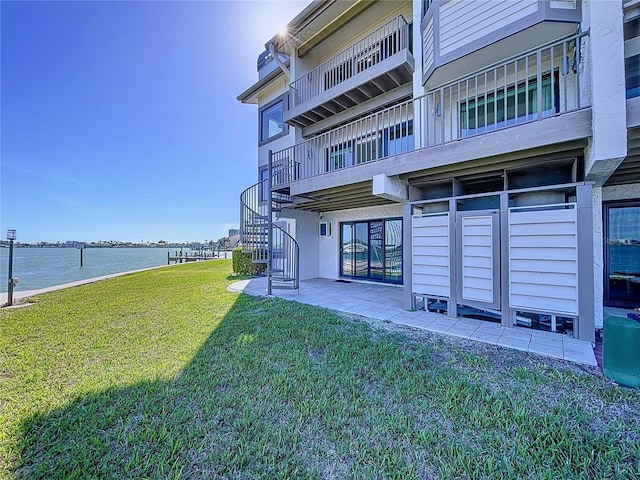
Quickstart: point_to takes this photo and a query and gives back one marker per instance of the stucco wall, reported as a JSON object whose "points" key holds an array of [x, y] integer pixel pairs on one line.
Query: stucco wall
{"points": [[304, 228]]}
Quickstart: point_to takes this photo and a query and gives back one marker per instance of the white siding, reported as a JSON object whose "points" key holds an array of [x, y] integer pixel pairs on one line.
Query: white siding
{"points": [[427, 45], [430, 257], [543, 260], [477, 258], [462, 23]]}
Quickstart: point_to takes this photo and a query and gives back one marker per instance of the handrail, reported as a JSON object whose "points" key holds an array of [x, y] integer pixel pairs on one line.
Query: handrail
{"points": [[252, 223], [541, 83], [386, 41], [254, 229]]}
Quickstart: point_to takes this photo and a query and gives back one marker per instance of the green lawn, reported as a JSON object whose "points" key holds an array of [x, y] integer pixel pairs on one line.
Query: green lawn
{"points": [[165, 374]]}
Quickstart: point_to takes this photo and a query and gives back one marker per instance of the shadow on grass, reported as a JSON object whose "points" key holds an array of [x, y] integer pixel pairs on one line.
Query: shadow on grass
{"points": [[283, 390]]}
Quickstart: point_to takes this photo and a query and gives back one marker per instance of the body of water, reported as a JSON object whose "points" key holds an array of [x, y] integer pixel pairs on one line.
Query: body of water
{"points": [[45, 267]]}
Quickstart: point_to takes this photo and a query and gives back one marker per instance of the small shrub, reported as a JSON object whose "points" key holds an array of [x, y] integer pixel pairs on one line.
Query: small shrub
{"points": [[242, 264]]}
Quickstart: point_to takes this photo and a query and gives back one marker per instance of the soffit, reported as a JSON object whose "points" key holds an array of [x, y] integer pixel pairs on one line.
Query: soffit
{"points": [[317, 22], [355, 195]]}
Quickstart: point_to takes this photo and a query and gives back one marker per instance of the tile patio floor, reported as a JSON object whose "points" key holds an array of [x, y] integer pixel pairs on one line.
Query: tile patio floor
{"points": [[384, 302]]}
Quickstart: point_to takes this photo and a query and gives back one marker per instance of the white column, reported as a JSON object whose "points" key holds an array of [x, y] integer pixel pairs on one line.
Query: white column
{"points": [[598, 259], [608, 145]]}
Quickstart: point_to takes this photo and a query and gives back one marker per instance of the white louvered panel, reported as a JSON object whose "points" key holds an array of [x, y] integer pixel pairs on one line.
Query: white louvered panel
{"points": [[477, 258], [430, 255], [543, 259]]}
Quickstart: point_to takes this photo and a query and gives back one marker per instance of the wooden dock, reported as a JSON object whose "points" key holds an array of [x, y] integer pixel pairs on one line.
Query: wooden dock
{"points": [[180, 257]]}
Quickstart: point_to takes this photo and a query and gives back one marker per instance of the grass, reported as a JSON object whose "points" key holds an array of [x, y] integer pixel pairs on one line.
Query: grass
{"points": [[165, 374]]}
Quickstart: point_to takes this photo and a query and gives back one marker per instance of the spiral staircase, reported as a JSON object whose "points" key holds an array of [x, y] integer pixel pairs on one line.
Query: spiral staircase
{"points": [[267, 242]]}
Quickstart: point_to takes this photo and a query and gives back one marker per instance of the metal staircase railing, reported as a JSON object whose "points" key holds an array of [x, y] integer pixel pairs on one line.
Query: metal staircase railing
{"points": [[268, 243]]}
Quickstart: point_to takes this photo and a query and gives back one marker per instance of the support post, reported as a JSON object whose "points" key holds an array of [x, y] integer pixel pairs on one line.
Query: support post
{"points": [[81, 257], [269, 222], [10, 286]]}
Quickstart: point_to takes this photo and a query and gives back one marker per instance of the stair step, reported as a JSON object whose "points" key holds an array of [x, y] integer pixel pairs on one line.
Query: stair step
{"points": [[284, 287]]}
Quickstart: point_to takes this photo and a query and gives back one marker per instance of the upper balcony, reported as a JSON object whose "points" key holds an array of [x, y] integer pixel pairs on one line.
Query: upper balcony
{"points": [[484, 31], [531, 101], [372, 66]]}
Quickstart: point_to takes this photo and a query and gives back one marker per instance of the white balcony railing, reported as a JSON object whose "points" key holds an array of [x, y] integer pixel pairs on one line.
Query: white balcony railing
{"points": [[388, 40], [543, 83]]}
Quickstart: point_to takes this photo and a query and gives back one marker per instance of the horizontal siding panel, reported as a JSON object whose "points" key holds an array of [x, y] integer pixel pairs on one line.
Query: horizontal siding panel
{"points": [[462, 23], [431, 255], [431, 220], [431, 251], [544, 254], [435, 290], [478, 283], [478, 272], [429, 261], [540, 217], [561, 228], [544, 278], [476, 241], [479, 295], [549, 266], [477, 258], [543, 260], [427, 45], [477, 251], [543, 241], [430, 241], [435, 280], [550, 292], [481, 221], [479, 261], [569, 307], [431, 269]]}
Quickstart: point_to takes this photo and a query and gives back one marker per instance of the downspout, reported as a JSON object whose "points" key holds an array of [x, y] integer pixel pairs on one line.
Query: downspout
{"points": [[276, 58]]}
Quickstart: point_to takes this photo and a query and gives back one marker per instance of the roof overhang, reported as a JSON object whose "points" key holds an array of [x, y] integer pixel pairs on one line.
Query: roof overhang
{"points": [[316, 22], [250, 95]]}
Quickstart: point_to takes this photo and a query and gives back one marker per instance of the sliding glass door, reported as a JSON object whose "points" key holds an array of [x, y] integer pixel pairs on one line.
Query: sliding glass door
{"points": [[372, 250], [622, 254]]}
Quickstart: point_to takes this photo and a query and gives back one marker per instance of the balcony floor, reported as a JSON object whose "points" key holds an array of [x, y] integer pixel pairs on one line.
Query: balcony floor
{"points": [[385, 302]]}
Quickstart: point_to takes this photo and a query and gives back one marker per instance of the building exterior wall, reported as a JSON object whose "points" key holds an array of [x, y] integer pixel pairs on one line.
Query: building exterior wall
{"points": [[469, 53]]}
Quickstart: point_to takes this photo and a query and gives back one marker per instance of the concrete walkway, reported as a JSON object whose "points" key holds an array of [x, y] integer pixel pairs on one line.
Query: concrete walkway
{"points": [[384, 302]]}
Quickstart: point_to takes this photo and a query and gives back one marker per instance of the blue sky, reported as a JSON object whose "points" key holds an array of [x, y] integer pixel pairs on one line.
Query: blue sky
{"points": [[119, 120]]}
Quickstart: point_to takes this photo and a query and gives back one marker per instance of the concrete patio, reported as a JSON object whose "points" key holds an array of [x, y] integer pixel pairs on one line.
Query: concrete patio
{"points": [[384, 302]]}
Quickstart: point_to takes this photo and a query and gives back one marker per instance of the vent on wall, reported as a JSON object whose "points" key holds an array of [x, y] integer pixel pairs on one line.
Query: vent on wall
{"points": [[325, 229]]}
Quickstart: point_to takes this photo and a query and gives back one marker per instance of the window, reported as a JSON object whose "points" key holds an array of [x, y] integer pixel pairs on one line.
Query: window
{"points": [[325, 229], [340, 156], [622, 253], [492, 111], [632, 76], [271, 123], [397, 139], [632, 60]]}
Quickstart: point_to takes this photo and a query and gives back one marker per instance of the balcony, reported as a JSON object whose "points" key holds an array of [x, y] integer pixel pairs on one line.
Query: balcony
{"points": [[537, 99], [483, 32], [380, 62]]}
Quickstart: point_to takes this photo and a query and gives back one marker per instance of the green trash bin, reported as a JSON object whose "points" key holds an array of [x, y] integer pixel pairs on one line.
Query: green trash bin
{"points": [[621, 350]]}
